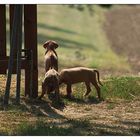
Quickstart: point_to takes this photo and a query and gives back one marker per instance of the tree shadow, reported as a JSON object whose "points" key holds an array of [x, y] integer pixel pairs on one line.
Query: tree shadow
{"points": [[64, 42], [50, 27], [61, 41], [75, 127], [135, 123], [34, 106], [55, 28], [113, 130]]}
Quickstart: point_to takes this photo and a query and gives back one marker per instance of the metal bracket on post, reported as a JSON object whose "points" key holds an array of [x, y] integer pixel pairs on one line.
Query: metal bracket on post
{"points": [[28, 55]]}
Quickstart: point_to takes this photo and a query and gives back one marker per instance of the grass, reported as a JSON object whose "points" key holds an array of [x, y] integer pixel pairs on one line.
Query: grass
{"points": [[82, 42], [41, 129], [29, 119], [49, 129], [111, 106], [80, 36], [125, 88]]}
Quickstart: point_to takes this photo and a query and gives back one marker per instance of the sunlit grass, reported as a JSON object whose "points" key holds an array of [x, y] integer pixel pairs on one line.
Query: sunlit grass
{"points": [[125, 88], [80, 36]]}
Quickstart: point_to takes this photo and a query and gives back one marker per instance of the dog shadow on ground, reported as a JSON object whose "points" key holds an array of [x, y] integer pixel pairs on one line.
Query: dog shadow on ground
{"points": [[82, 100]]}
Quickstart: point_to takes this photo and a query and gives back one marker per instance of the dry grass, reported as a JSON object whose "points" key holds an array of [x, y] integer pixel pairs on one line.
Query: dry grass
{"points": [[114, 116]]}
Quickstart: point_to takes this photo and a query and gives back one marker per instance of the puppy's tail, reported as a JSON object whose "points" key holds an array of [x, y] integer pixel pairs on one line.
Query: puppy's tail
{"points": [[98, 77]]}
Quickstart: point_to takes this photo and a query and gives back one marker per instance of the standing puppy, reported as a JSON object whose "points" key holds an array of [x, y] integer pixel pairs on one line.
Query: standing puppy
{"points": [[80, 74], [50, 83], [51, 58]]}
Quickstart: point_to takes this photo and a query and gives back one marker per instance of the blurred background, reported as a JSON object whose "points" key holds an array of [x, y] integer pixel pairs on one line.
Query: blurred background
{"points": [[99, 36], [105, 37]]}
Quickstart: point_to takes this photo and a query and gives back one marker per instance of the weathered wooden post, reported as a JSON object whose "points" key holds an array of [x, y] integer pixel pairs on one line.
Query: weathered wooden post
{"points": [[30, 30], [11, 58], [16, 62], [19, 47], [2, 36]]}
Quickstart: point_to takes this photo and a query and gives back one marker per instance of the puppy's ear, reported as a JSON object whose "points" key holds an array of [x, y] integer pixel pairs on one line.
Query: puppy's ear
{"points": [[56, 45], [46, 44]]}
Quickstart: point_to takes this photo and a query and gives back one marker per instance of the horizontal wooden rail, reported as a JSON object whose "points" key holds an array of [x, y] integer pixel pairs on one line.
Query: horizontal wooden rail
{"points": [[4, 64]]}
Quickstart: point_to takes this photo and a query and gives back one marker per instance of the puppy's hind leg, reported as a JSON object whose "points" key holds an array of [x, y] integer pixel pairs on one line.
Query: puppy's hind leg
{"points": [[97, 89], [88, 88]]}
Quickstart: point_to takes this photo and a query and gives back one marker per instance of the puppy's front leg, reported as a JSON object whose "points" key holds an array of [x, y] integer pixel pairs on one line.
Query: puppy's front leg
{"points": [[57, 93], [69, 90], [43, 90]]}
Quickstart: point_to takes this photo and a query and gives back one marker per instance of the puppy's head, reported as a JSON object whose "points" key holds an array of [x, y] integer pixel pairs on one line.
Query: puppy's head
{"points": [[50, 45]]}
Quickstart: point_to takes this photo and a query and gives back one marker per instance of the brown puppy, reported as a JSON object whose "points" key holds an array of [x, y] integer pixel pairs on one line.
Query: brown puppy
{"points": [[51, 59], [50, 83], [80, 74]]}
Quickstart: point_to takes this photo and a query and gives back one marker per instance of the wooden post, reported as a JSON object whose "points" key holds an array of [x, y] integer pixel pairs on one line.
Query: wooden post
{"points": [[19, 45], [30, 32], [2, 36], [11, 11], [11, 58]]}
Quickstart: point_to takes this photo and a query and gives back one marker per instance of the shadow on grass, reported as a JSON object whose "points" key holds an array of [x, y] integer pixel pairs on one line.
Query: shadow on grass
{"points": [[61, 41], [73, 127], [50, 27], [66, 126], [80, 100], [36, 107], [52, 129], [131, 123], [43, 108], [64, 42], [55, 28]]}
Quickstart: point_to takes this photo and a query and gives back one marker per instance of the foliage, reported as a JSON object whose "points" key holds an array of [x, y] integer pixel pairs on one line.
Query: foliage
{"points": [[90, 7]]}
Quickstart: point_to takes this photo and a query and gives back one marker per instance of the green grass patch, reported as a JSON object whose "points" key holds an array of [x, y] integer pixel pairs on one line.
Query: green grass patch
{"points": [[111, 106], [41, 129], [126, 88]]}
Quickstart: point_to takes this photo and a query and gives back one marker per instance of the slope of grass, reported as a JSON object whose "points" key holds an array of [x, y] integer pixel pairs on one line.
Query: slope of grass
{"points": [[80, 36]]}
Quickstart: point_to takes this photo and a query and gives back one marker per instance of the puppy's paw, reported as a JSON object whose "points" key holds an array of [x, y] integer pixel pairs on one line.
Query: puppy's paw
{"points": [[69, 96], [101, 99], [39, 98]]}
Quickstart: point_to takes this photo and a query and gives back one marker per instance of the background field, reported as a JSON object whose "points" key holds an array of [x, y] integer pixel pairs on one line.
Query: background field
{"points": [[107, 40]]}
